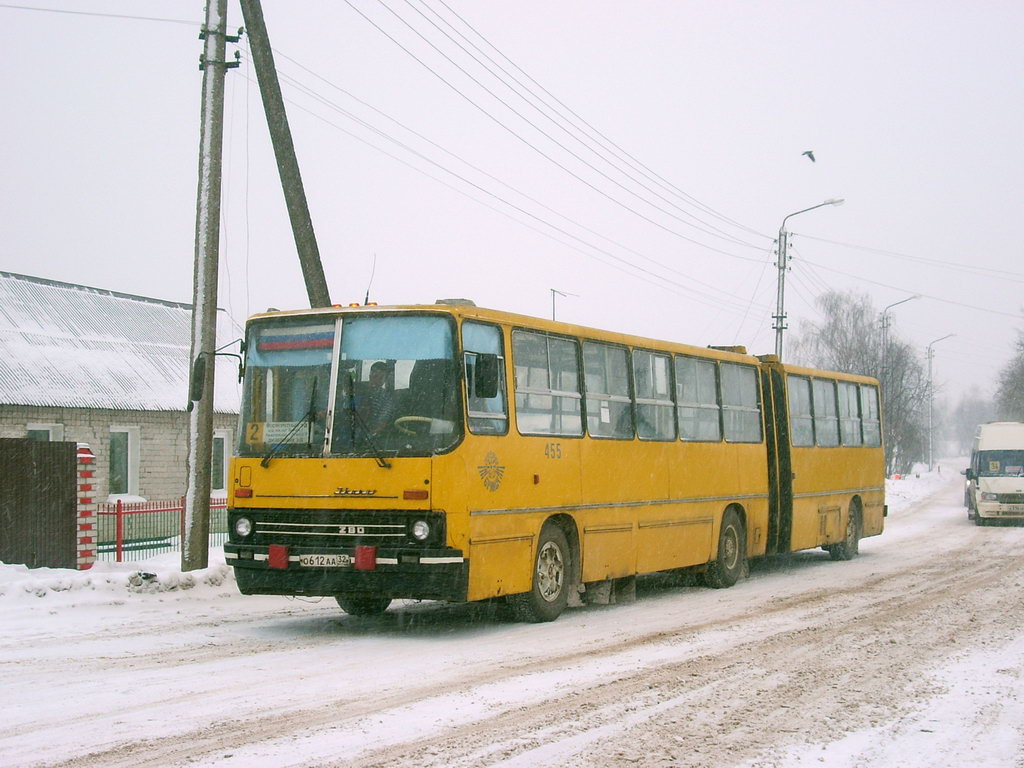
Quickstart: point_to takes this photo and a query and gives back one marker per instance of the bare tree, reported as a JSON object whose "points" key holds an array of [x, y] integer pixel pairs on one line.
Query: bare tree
{"points": [[971, 411], [848, 338], [1009, 398]]}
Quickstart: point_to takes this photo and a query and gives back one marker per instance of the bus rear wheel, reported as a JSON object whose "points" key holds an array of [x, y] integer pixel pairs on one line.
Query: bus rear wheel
{"points": [[363, 606], [731, 562], [849, 547], [552, 571]]}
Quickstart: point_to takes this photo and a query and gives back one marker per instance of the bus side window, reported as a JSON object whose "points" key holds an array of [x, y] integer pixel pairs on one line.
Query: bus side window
{"points": [[741, 410], [548, 392], [869, 415], [606, 380], [486, 415], [826, 419], [801, 418], [655, 411], [697, 396], [849, 414]]}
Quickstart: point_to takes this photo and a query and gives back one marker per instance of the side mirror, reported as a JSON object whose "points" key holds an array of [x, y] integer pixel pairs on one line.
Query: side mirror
{"points": [[487, 375], [195, 387]]}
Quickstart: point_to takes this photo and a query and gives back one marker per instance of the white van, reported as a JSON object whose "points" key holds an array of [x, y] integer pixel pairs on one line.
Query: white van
{"points": [[995, 489]]}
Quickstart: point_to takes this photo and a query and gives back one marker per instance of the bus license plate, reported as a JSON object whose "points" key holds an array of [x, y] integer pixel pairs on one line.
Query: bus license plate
{"points": [[325, 561], [1014, 508]]}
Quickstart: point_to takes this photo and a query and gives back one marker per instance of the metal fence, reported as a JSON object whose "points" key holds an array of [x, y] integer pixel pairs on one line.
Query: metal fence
{"points": [[138, 530]]}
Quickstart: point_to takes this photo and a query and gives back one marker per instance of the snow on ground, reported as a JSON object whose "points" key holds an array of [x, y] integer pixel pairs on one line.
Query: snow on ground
{"points": [[191, 673]]}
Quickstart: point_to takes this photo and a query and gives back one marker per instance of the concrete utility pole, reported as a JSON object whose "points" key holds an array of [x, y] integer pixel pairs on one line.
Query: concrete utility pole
{"points": [[782, 264], [196, 543], [284, 151], [931, 394]]}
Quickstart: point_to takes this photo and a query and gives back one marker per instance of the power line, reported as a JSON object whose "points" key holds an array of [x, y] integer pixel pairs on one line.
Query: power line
{"points": [[332, 105], [196, 24], [695, 295], [561, 121], [521, 138], [925, 295], [608, 143], [974, 268]]}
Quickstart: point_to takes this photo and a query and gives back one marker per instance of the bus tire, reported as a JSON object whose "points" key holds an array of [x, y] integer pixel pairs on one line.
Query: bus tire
{"points": [[849, 547], [731, 562], [552, 570], [363, 606]]}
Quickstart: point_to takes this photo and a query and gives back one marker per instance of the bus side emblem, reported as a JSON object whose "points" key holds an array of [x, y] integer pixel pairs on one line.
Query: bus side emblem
{"points": [[491, 472]]}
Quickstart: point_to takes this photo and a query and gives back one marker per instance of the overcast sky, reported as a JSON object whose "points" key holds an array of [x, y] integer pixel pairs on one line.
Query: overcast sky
{"points": [[412, 152]]}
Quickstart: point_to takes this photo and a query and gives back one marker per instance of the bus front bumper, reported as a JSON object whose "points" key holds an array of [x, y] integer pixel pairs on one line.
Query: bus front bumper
{"points": [[424, 574], [996, 511]]}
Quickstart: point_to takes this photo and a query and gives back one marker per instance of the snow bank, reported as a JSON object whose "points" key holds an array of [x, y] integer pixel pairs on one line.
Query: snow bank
{"points": [[105, 580]]}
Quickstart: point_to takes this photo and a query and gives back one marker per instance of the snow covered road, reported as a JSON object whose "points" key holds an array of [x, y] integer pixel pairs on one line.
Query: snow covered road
{"points": [[910, 655]]}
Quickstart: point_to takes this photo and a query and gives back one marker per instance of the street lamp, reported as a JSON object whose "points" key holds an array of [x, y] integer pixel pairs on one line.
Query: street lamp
{"points": [[554, 292], [931, 394], [780, 314], [885, 329]]}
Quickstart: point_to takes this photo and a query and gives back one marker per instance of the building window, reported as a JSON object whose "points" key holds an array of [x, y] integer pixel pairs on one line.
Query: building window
{"points": [[124, 461], [45, 432]]}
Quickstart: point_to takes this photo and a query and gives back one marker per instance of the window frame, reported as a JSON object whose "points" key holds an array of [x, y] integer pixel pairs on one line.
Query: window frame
{"points": [[54, 431], [555, 394], [654, 402], [479, 416], [802, 417], [828, 418], [626, 399], [757, 408], [132, 460], [698, 405]]}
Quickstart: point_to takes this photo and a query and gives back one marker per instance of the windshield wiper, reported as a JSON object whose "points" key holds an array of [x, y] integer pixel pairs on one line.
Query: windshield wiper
{"points": [[309, 419], [378, 455]]}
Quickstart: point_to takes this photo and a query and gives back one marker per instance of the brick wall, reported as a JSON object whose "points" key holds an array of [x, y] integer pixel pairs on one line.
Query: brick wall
{"points": [[162, 442]]}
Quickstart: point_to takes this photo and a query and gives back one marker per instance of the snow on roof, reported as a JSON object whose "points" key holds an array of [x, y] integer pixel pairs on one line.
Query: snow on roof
{"points": [[73, 346]]}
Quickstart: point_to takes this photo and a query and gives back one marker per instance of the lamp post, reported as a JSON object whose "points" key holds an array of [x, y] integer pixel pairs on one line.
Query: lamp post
{"points": [[931, 394], [556, 292], [780, 313], [885, 329]]}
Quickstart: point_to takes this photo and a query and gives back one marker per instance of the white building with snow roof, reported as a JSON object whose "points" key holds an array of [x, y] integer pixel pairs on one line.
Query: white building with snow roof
{"points": [[109, 369]]}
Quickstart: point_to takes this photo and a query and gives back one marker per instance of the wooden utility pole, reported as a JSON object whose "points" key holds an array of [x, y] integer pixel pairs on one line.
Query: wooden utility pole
{"points": [[196, 544], [284, 151]]}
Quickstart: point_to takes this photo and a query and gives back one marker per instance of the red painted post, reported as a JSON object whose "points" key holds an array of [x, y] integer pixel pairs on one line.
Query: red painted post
{"points": [[119, 511], [181, 523]]}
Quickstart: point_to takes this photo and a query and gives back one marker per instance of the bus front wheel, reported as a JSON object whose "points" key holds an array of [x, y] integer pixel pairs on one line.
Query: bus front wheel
{"points": [[551, 576], [363, 606], [731, 562]]}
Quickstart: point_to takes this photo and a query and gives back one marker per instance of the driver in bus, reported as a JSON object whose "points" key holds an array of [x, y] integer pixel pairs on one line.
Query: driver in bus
{"points": [[377, 407]]}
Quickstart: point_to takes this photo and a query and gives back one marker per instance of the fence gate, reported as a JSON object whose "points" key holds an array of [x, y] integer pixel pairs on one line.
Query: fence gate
{"points": [[38, 503]]}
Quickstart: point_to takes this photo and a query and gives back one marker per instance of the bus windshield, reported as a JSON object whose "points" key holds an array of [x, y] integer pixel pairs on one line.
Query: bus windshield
{"points": [[389, 388], [1006, 463]]}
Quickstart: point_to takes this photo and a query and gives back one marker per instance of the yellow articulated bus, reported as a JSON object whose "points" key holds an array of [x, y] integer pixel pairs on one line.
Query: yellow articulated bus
{"points": [[457, 453]]}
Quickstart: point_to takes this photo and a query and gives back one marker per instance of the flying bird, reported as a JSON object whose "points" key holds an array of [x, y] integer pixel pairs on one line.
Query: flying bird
{"points": [[810, 154]]}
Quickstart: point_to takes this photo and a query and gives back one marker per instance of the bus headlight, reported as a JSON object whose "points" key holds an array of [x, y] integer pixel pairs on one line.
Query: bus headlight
{"points": [[421, 530], [243, 526], [986, 496]]}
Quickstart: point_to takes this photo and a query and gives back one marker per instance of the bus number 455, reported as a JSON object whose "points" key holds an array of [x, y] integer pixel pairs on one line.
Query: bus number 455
{"points": [[553, 450]]}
